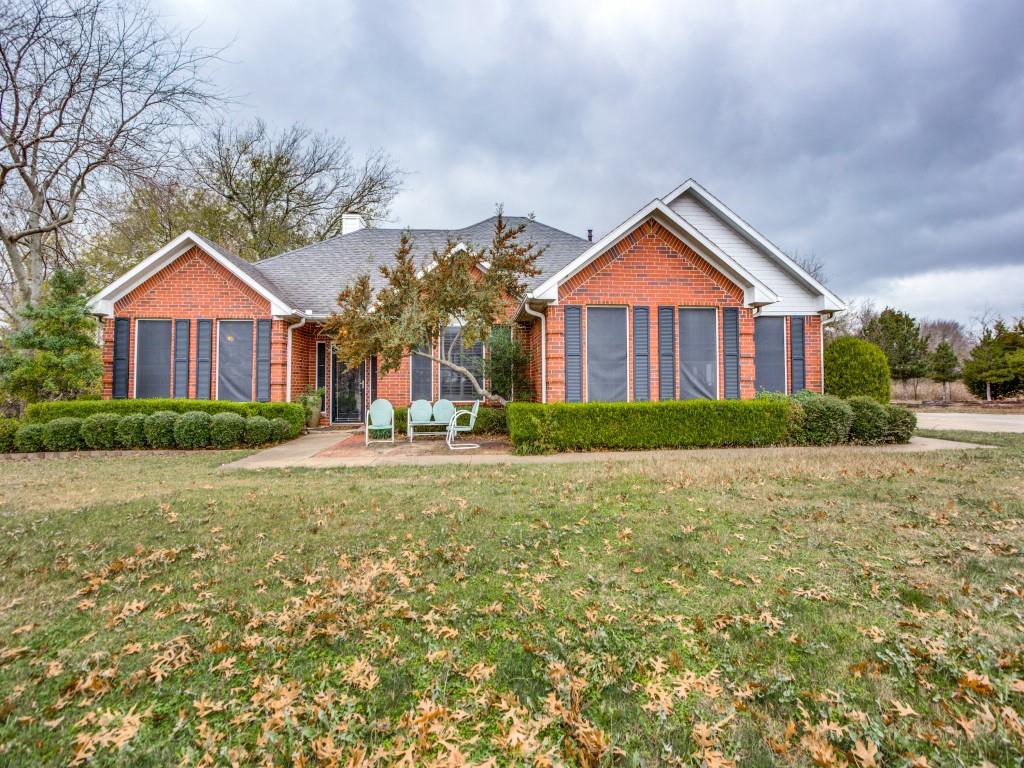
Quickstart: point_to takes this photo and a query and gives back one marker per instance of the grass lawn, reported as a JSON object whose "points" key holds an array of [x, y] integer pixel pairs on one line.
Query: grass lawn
{"points": [[825, 607]]}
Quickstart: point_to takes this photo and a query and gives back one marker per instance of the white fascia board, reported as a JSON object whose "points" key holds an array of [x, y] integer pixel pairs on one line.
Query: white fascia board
{"points": [[830, 302], [755, 293], [103, 302]]}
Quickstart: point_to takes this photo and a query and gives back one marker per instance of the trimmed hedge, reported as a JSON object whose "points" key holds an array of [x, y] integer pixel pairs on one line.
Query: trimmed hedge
{"points": [[29, 438], [192, 430], [226, 430], [824, 419], [540, 428], [857, 367], [99, 431], [281, 429], [258, 431], [63, 434], [160, 429], [8, 429], [490, 420], [870, 420], [131, 431], [901, 424], [40, 413]]}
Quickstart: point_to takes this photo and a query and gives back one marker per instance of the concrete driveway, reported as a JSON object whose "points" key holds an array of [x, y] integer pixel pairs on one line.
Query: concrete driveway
{"points": [[977, 422]]}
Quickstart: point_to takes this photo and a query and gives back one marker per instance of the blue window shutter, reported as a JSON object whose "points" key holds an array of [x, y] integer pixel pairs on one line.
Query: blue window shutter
{"points": [[204, 354], [666, 353], [731, 336], [641, 353], [796, 353], [263, 361], [122, 344], [181, 342], [573, 355]]}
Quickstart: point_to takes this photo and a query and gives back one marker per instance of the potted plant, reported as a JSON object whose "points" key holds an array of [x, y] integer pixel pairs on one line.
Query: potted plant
{"points": [[310, 400]]}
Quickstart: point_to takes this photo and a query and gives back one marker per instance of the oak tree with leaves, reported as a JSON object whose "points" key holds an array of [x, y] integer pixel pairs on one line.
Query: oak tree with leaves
{"points": [[461, 284]]}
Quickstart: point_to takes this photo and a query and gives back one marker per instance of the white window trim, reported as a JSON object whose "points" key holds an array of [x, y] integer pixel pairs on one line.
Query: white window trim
{"points": [[135, 354], [719, 347], [629, 349]]}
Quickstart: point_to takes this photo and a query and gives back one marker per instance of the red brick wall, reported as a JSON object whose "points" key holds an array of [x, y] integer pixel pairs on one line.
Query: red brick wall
{"points": [[649, 267]]}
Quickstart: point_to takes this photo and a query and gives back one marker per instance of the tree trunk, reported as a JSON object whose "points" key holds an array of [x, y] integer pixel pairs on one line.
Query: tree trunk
{"points": [[905, 395], [945, 391], [988, 391], [477, 386]]}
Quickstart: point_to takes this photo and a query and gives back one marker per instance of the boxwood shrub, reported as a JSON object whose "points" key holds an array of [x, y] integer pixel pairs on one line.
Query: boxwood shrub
{"points": [[40, 413], [226, 430], [537, 428], [857, 367], [901, 424], [192, 430], [29, 438], [258, 430], [131, 431], [490, 420], [870, 420], [63, 434], [160, 429], [8, 428], [281, 429], [99, 431], [824, 420]]}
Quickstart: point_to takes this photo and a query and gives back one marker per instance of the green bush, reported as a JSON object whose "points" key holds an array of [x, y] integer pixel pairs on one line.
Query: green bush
{"points": [[281, 429], [8, 428], [825, 420], [131, 431], [536, 427], [258, 431], [192, 430], [490, 420], [870, 420], [160, 429], [63, 434], [901, 424], [43, 412], [226, 430], [29, 438], [99, 431], [857, 367]]}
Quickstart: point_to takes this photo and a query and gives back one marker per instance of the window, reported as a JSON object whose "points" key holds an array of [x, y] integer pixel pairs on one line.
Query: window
{"points": [[153, 358], [321, 373], [698, 354], [422, 388], [607, 366], [770, 354], [234, 360], [455, 386]]}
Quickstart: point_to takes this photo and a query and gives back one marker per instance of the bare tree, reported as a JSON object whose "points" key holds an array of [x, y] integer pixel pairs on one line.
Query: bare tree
{"points": [[852, 321], [811, 264], [292, 188], [952, 331], [91, 94]]}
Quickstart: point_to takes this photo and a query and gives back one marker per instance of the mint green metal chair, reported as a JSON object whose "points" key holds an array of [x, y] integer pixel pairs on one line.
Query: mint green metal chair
{"points": [[420, 414], [454, 428], [380, 418]]}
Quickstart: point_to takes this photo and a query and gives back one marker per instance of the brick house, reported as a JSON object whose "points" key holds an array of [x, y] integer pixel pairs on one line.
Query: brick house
{"points": [[683, 299]]}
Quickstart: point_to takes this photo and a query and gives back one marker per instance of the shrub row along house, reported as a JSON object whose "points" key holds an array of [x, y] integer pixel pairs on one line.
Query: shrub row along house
{"points": [[681, 300]]}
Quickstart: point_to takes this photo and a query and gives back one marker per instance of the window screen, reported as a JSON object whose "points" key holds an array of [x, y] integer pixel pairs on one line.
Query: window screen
{"points": [[421, 376], [455, 386], [153, 358], [607, 371], [698, 354], [234, 360], [796, 353], [770, 354]]}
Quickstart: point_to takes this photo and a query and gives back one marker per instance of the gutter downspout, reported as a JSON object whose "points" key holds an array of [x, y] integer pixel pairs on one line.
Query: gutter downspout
{"points": [[288, 373], [543, 350]]}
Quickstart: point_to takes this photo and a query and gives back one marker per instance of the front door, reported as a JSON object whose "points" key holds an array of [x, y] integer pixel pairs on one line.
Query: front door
{"points": [[346, 394]]}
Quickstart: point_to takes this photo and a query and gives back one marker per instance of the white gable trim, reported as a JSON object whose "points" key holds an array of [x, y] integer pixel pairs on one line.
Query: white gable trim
{"points": [[755, 292], [103, 302], [830, 302]]}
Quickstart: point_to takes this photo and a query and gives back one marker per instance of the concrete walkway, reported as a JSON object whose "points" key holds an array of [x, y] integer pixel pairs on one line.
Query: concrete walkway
{"points": [[976, 422], [325, 450]]}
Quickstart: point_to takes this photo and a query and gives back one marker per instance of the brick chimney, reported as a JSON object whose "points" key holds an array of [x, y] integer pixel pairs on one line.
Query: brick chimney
{"points": [[351, 222]]}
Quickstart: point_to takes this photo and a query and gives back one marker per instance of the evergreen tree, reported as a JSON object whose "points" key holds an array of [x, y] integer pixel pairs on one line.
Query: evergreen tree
{"points": [[53, 355], [899, 337], [945, 367], [995, 369]]}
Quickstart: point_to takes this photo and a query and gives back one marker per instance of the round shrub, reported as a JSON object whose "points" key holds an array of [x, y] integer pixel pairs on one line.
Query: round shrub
{"points": [[160, 429], [870, 420], [226, 430], [63, 434], [131, 431], [29, 438], [901, 425], [8, 428], [282, 430], [99, 431], [857, 367], [192, 430], [258, 430], [825, 419]]}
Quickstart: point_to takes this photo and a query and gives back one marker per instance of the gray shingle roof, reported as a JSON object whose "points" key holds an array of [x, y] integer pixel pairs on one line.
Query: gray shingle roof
{"points": [[311, 277]]}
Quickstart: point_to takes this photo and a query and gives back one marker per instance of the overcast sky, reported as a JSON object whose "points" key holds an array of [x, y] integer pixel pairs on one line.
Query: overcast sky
{"points": [[885, 138]]}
